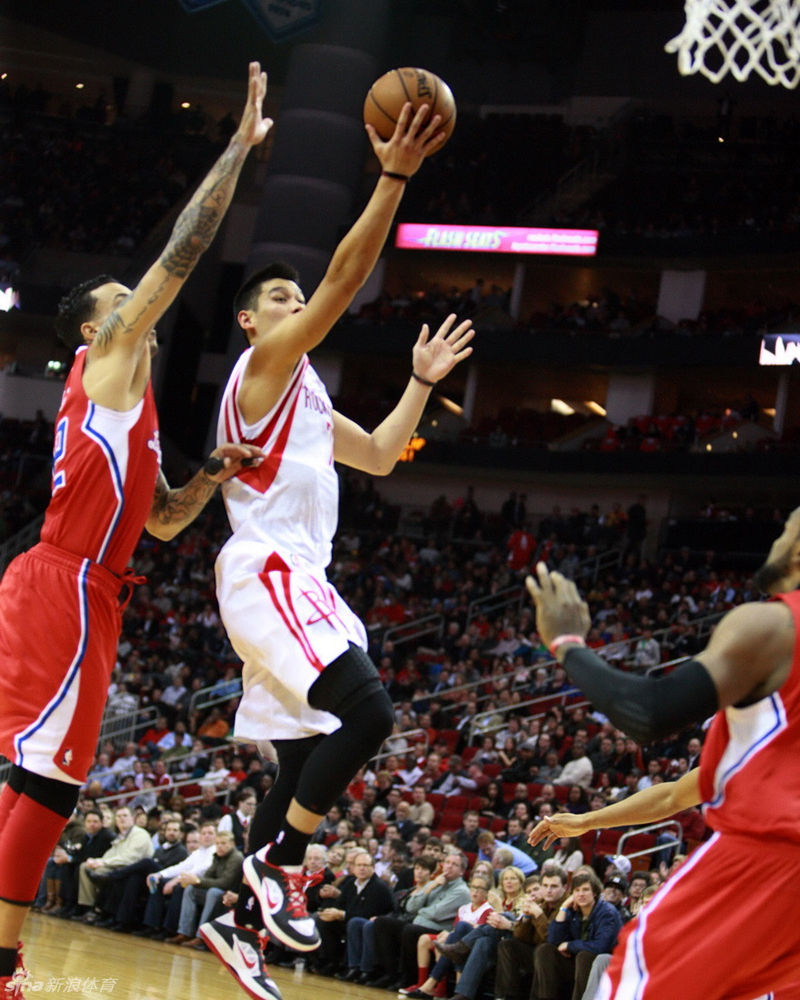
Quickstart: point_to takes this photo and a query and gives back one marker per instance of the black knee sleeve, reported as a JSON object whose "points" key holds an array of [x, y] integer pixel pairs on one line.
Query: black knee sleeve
{"points": [[350, 689], [59, 796], [345, 683]]}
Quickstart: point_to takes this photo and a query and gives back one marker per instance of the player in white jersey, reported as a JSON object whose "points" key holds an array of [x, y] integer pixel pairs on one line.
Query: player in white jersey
{"points": [[309, 686]]}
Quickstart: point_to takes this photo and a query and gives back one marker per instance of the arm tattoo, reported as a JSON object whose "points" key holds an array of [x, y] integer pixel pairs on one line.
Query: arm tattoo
{"points": [[199, 221], [181, 506], [115, 325]]}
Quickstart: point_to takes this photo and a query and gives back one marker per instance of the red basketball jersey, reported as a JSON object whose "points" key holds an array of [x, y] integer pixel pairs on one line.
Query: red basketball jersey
{"points": [[105, 465], [749, 778]]}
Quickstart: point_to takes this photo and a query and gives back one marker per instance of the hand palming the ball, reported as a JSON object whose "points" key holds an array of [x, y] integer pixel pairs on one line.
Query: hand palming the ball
{"points": [[411, 141]]}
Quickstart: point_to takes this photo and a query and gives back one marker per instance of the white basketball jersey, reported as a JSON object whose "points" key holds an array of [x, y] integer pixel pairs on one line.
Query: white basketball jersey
{"points": [[289, 502]]}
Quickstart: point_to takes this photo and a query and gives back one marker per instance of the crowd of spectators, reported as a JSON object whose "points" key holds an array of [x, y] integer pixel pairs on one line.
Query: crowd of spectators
{"points": [[88, 188], [608, 313], [26, 448]]}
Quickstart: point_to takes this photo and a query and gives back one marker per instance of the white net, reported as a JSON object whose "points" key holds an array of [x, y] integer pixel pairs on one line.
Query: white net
{"points": [[741, 37]]}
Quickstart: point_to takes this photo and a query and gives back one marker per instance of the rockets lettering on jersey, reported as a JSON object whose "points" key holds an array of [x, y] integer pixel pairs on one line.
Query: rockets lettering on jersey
{"points": [[290, 501]]}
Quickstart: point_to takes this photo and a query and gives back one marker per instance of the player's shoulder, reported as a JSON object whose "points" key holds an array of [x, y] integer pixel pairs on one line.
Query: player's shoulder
{"points": [[760, 616], [763, 625]]}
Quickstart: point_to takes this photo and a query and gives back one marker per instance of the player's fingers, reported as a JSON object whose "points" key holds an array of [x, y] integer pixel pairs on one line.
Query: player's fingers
{"points": [[403, 119], [434, 142], [533, 587], [374, 138], [422, 339], [460, 355], [418, 121], [462, 341], [430, 129], [444, 329], [459, 330], [544, 577]]}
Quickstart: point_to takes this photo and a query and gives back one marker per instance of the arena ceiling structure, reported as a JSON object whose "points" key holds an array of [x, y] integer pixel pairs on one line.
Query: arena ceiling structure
{"points": [[213, 37]]}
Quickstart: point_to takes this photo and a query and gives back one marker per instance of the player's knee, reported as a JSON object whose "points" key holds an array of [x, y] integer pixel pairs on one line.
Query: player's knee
{"points": [[376, 716]]}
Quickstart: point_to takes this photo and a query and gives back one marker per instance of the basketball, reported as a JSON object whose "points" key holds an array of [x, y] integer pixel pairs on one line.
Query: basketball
{"points": [[390, 92]]}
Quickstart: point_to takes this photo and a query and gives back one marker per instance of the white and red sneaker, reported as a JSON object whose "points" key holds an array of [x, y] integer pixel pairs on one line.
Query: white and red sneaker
{"points": [[281, 894], [241, 952]]}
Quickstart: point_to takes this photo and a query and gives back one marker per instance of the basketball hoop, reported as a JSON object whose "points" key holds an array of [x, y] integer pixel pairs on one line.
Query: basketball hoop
{"points": [[740, 37]]}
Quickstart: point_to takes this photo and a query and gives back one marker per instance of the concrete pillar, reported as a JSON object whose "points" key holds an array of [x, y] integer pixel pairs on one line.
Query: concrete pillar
{"points": [[516, 290], [320, 144], [630, 394], [470, 392], [781, 400], [140, 92], [681, 294]]}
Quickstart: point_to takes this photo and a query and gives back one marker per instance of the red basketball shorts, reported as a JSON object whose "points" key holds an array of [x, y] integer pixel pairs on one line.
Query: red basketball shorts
{"points": [[59, 626], [719, 929]]}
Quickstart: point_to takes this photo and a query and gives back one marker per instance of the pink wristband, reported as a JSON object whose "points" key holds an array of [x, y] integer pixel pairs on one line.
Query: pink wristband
{"points": [[562, 640]]}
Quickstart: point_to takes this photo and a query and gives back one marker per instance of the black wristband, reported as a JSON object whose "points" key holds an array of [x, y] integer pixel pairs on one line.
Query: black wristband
{"points": [[395, 176], [213, 466], [422, 381]]}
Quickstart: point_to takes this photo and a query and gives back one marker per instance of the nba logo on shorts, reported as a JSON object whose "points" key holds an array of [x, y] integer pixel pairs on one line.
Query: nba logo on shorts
{"points": [[67, 760]]}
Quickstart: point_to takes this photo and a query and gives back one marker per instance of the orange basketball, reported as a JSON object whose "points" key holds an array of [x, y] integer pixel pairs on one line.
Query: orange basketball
{"points": [[388, 94]]}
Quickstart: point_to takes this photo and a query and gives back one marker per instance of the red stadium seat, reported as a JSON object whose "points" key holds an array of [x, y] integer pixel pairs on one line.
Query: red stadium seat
{"points": [[474, 802], [454, 802], [491, 770], [467, 754], [450, 736], [498, 824], [607, 842], [436, 799]]}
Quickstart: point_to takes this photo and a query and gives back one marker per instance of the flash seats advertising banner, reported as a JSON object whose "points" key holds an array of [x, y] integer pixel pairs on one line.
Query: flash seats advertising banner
{"points": [[497, 239]]}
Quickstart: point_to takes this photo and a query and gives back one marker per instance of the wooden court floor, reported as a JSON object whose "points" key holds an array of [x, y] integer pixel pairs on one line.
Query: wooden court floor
{"points": [[72, 960]]}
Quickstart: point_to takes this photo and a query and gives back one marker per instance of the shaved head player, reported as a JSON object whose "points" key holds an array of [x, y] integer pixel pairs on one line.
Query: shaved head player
{"points": [[749, 680], [60, 613]]}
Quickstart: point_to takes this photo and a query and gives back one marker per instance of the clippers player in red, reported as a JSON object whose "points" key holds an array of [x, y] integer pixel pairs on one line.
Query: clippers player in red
{"points": [[60, 612], [308, 685], [715, 931]]}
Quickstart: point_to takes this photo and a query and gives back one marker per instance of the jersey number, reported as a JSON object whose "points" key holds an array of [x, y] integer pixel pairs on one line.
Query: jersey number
{"points": [[59, 450]]}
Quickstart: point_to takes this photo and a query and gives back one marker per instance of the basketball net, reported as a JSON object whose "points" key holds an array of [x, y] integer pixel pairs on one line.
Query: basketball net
{"points": [[740, 37]]}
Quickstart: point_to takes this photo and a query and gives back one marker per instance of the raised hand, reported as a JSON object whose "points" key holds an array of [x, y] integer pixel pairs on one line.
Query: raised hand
{"points": [[559, 608], [411, 141], [434, 358], [253, 127]]}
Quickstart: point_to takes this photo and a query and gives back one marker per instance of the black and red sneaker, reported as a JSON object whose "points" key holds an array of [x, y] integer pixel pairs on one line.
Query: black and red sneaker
{"points": [[19, 982], [241, 952], [281, 894]]}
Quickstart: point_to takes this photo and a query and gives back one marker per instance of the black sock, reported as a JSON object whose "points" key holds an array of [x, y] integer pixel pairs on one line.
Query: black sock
{"points": [[247, 911], [289, 847], [8, 961]]}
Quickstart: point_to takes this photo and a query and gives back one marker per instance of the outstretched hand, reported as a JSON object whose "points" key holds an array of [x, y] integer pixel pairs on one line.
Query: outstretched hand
{"points": [[556, 826], [559, 608], [411, 141], [434, 358], [253, 126]]}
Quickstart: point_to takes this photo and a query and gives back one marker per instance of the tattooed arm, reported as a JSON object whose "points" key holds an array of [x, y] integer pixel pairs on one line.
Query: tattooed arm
{"points": [[131, 321], [173, 510]]}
